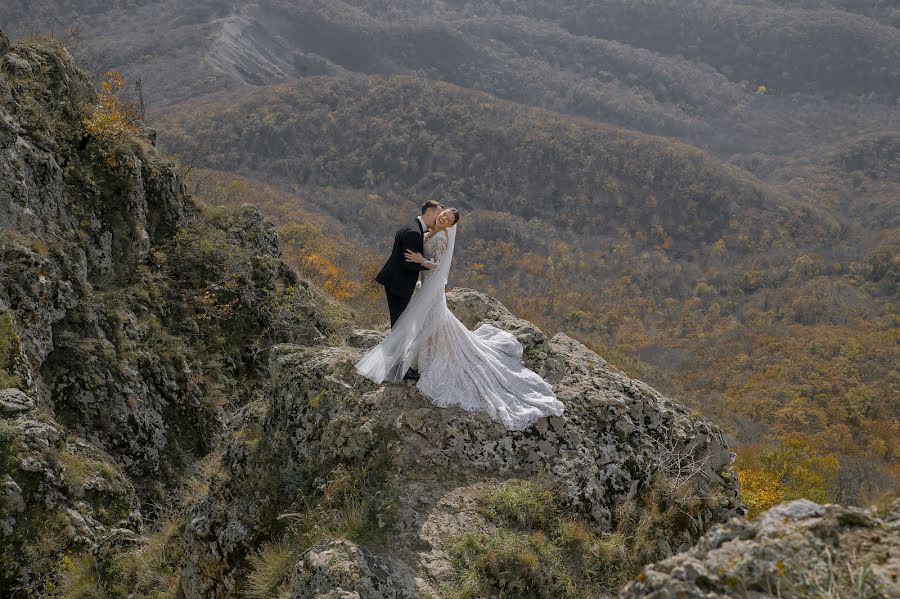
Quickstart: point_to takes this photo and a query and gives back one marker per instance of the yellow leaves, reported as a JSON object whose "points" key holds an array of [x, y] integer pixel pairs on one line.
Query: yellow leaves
{"points": [[113, 116], [318, 259], [780, 568], [761, 89], [798, 468], [759, 491]]}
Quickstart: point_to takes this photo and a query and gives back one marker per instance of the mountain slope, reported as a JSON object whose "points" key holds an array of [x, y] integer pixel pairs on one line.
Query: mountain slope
{"points": [[794, 49], [662, 67], [404, 135]]}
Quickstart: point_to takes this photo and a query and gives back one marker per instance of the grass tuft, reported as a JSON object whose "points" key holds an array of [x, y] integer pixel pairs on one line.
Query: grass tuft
{"points": [[529, 504], [270, 568], [509, 563], [537, 551]]}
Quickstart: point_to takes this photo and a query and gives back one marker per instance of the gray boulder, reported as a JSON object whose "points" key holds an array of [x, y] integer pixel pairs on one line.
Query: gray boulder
{"points": [[796, 549], [343, 569]]}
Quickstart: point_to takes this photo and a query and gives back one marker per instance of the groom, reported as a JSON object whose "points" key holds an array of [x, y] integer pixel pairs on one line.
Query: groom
{"points": [[398, 275]]}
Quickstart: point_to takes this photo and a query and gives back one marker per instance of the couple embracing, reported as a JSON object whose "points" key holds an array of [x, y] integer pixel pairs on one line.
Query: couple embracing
{"points": [[452, 366]]}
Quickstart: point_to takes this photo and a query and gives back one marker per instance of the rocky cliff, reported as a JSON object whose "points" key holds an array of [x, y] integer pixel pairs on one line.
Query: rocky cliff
{"points": [[429, 494], [128, 321]]}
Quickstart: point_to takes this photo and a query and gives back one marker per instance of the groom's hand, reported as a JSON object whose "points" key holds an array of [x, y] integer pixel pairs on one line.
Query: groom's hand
{"points": [[416, 257]]}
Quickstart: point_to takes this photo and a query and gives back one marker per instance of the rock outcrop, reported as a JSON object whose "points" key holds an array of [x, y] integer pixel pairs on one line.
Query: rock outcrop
{"points": [[614, 437], [796, 549], [129, 321]]}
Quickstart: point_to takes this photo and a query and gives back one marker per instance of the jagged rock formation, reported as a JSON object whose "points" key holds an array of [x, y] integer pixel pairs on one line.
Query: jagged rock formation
{"points": [[796, 549], [433, 463], [128, 319]]}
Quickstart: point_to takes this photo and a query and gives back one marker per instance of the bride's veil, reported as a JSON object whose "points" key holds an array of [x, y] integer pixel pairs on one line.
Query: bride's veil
{"points": [[391, 358]]}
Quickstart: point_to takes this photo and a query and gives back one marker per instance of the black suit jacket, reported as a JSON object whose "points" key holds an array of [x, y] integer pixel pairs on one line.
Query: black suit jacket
{"points": [[397, 275]]}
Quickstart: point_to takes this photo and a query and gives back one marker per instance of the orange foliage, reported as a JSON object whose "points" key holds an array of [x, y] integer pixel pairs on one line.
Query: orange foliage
{"points": [[113, 115]]}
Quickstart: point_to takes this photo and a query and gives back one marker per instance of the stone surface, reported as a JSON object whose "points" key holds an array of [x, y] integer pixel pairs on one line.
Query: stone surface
{"points": [[474, 309], [14, 401], [797, 549], [615, 435], [346, 570], [363, 339]]}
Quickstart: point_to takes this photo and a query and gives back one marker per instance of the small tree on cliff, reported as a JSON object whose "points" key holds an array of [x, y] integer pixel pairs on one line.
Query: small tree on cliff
{"points": [[114, 114]]}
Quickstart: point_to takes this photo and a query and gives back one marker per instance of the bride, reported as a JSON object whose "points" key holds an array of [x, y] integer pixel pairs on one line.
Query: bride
{"points": [[476, 371]]}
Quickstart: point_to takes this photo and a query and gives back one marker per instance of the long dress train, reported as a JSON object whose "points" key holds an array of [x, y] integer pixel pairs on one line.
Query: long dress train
{"points": [[478, 370]]}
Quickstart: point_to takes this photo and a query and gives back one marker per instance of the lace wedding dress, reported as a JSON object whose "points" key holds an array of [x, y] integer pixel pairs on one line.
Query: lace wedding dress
{"points": [[476, 371]]}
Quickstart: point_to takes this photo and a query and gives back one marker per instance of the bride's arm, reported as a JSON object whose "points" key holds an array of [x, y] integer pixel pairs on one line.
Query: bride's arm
{"points": [[419, 259], [440, 249]]}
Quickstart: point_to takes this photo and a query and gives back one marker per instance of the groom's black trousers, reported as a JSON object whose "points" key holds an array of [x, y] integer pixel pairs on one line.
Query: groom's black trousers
{"points": [[396, 305]]}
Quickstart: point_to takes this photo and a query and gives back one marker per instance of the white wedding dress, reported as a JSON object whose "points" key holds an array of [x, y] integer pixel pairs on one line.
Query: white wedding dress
{"points": [[476, 371]]}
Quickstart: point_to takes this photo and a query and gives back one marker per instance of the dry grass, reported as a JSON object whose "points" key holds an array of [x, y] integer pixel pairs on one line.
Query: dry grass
{"points": [[79, 469], [270, 568], [538, 550], [200, 475], [9, 352], [79, 578], [349, 505]]}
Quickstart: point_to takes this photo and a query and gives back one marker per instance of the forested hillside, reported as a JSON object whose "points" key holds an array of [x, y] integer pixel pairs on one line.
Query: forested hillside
{"points": [[407, 136], [685, 69]]}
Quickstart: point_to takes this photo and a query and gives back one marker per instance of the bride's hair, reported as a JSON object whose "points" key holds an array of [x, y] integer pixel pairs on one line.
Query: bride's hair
{"points": [[455, 215]]}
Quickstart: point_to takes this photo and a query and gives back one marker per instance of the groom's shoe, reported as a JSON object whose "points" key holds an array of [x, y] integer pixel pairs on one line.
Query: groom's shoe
{"points": [[411, 375]]}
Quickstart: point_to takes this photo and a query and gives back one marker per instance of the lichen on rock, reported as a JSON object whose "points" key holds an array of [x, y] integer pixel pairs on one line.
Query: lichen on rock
{"points": [[796, 549], [616, 436]]}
